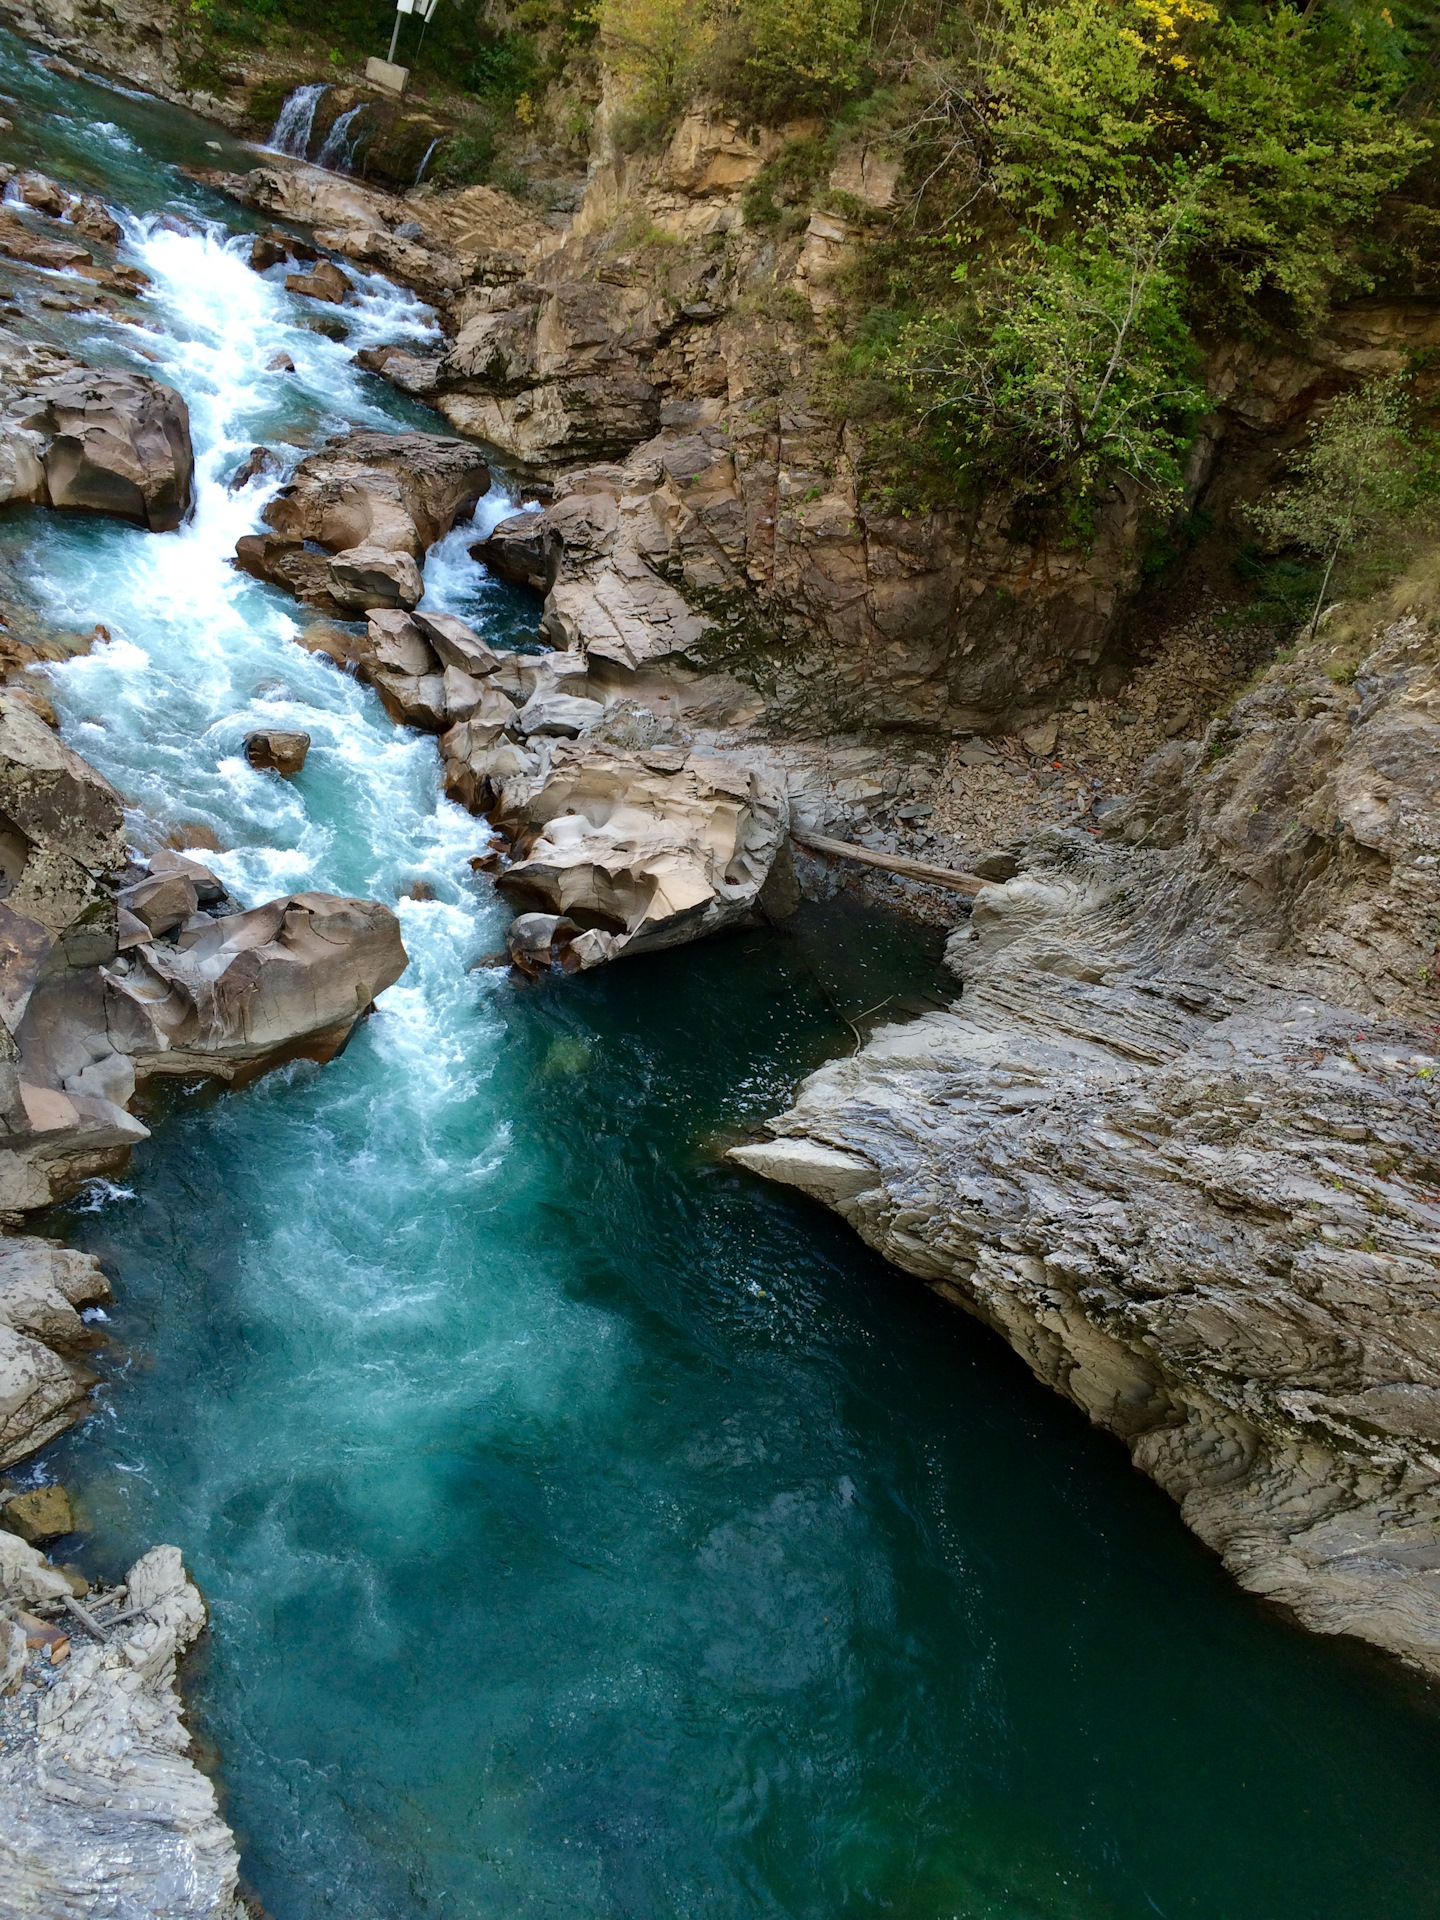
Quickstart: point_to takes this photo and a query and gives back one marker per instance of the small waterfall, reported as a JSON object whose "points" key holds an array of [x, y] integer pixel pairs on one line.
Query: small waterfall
{"points": [[291, 132], [336, 151], [420, 175]]}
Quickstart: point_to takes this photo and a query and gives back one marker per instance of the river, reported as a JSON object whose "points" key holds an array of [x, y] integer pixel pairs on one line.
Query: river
{"points": [[589, 1529]]}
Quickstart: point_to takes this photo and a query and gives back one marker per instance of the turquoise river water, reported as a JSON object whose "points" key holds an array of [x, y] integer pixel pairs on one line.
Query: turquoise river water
{"points": [[591, 1530]]}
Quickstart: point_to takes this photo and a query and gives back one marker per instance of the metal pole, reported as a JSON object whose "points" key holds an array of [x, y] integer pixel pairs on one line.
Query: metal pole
{"points": [[394, 37]]}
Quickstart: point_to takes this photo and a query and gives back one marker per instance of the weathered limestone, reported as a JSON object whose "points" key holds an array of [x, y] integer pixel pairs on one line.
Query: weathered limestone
{"points": [[642, 851], [1180, 1140], [105, 442], [375, 503], [100, 1807]]}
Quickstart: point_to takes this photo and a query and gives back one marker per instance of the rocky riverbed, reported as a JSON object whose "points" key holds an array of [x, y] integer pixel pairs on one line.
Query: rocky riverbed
{"points": [[1176, 1139]]}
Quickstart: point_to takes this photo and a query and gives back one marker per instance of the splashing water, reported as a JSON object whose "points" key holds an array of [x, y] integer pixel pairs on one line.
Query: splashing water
{"points": [[425, 161], [588, 1529], [339, 142], [291, 132]]}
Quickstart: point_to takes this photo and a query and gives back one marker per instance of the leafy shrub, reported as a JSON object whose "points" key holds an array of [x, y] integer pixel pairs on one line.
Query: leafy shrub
{"points": [[466, 159]]}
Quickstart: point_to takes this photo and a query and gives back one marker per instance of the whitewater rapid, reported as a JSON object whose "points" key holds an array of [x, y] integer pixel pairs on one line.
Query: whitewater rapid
{"points": [[588, 1530]]}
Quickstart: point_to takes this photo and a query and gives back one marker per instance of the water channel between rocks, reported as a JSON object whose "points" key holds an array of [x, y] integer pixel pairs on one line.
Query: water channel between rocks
{"points": [[590, 1530]]}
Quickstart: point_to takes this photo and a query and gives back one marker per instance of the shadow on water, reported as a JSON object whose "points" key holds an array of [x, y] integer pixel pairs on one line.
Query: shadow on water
{"points": [[673, 1554]]}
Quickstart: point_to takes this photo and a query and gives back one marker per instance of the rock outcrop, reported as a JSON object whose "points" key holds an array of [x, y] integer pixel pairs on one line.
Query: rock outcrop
{"points": [[639, 850], [1178, 1141], [112, 974], [104, 442], [374, 502], [101, 1808], [439, 246], [43, 1383]]}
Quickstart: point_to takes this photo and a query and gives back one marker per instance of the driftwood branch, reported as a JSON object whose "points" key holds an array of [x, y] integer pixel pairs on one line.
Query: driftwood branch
{"points": [[951, 877]]}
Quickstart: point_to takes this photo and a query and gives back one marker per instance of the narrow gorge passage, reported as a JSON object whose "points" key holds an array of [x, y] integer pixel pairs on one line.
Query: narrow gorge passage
{"points": [[590, 1530]]}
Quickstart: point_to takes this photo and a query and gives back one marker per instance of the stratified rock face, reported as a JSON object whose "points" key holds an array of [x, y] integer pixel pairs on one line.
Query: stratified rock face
{"points": [[1180, 1140], [642, 851], [699, 550], [375, 502], [101, 1810], [103, 442], [438, 246]]}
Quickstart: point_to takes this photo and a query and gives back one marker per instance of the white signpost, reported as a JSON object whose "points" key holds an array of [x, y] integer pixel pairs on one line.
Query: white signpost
{"points": [[385, 73]]}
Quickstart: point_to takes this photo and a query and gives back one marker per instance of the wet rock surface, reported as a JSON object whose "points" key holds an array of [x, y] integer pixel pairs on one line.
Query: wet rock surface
{"points": [[355, 518], [1178, 1141]]}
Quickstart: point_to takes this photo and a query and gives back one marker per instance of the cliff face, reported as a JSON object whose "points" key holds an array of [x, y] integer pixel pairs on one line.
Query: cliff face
{"points": [[1177, 1140]]}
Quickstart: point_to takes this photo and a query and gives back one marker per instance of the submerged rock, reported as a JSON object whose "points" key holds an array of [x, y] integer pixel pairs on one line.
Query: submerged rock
{"points": [[325, 281], [1180, 1140], [40, 1515]]}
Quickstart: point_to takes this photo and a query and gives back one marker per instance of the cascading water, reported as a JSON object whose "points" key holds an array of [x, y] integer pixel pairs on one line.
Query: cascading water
{"points": [[336, 151], [588, 1529], [425, 161], [291, 132]]}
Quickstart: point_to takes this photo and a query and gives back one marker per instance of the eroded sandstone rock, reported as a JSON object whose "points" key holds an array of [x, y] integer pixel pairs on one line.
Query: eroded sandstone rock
{"points": [[375, 503], [641, 856], [1180, 1140], [105, 442], [272, 749]]}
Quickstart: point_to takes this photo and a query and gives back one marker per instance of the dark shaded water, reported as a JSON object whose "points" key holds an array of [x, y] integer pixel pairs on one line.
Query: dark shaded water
{"points": [[591, 1530]]}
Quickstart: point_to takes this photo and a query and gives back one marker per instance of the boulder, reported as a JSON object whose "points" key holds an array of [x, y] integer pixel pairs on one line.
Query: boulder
{"points": [[92, 218], [40, 1515], [457, 644], [105, 442], [371, 576], [258, 464], [40, 1396], [642, 859], [558, 713], [287, 563], [325, 281], [525, 550], [39, 191], [244, 992], [18, 242], [401, 490], [42, 1286], [280, 363], [276, 751], [374, 501]]}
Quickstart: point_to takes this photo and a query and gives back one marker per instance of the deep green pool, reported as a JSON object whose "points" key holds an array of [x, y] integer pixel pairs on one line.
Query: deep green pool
{"points": [[590, 1529]]}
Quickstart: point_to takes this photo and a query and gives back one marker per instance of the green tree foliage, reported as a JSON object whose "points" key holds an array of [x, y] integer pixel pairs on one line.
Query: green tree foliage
{"points": [[1360, 472], [1072, 370]]}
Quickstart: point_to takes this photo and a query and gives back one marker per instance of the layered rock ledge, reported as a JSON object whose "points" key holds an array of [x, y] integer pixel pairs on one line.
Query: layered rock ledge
{"points": [[101, 1808], [1179, 1141]]}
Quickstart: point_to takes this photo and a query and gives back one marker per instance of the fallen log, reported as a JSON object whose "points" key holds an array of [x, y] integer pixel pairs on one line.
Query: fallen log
{"points": [[951, 877]]}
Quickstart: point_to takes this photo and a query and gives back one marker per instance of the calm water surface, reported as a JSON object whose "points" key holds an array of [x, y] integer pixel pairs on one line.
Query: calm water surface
{"points": [[591, 1530]]}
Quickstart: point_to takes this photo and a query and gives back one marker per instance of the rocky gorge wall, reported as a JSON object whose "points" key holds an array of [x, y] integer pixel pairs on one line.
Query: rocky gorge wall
{"points": [[1177, 1140]]}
